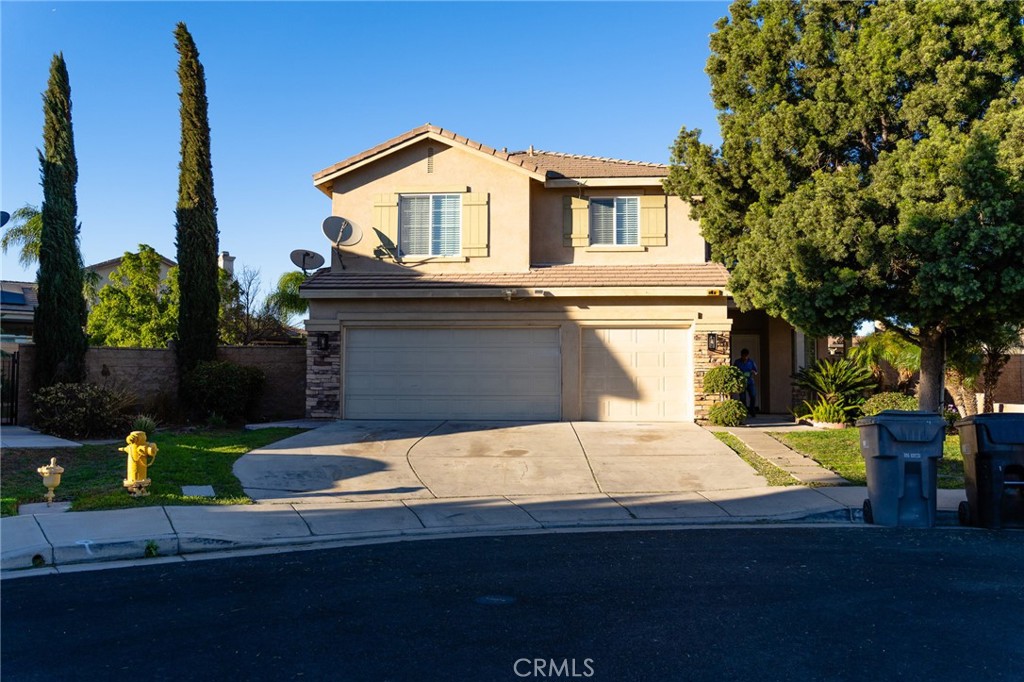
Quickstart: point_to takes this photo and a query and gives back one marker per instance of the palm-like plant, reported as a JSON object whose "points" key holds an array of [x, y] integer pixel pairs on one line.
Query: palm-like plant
{"points": [[886, 347], [840, 383], [24, 232]]}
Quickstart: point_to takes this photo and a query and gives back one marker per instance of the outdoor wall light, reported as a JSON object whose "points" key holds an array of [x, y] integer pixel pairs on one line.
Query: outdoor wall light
{"points": [[323, 341], [712, 341]]}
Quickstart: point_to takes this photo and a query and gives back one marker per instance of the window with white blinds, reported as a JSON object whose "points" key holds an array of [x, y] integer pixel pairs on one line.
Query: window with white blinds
{"points": [[430, 224], [615, 221]]}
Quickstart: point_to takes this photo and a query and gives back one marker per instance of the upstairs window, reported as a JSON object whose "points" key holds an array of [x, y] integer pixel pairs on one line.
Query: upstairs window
{"points": [[430, 224], [615, 221]]}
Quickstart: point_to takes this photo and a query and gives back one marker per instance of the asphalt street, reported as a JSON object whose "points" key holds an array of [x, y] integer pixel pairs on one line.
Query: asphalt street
{"points": [[719, 604]]}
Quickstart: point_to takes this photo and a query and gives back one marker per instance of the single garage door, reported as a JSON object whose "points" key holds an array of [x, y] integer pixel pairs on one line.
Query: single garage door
{"points": [[493, 373], [637, 374]]}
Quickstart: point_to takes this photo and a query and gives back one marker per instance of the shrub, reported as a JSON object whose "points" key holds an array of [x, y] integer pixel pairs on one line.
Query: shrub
{"points": [[144, 422], [951, 417], [827, 413], [82, 410], [838, 388], [888, 401], [724, 379], [839, 382], [231, 391], [727, 413]]}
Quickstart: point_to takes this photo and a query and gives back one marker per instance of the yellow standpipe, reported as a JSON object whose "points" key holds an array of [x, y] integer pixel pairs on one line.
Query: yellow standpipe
{"points": [[140, 457]]}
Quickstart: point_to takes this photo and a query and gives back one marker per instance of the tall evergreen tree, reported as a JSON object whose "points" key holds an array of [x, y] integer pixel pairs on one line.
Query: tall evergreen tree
{"points": [[60, 315], [196, 215], [871, 167]]}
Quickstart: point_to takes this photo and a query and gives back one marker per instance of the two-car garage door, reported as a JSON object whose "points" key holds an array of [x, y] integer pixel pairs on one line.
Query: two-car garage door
{"points": [[455, 373], [515, 374]]}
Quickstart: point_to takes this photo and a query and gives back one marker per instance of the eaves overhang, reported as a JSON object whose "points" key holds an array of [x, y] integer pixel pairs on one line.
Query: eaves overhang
{"points": [[717, 294]]}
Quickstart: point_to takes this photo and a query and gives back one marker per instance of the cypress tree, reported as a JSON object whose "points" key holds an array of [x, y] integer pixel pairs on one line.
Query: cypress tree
{"points": [[60, 315], [196, 215]]}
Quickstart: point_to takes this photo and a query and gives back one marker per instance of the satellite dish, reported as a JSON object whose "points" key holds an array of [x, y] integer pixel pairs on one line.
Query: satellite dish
{"points": [[307, 260], [341, 232], [4, 217]]}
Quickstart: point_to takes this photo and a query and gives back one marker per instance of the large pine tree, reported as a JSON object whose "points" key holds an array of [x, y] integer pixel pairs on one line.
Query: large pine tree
{"points": [[196, 215], [60, 315]]}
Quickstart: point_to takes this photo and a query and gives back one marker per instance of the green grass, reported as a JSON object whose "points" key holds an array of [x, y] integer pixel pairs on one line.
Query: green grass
{"points": [[773, 474], [839, 450], [94, 473]]}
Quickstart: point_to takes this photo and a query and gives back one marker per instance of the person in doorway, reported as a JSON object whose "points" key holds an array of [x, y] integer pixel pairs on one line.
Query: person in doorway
{"points": [[747, 365]]}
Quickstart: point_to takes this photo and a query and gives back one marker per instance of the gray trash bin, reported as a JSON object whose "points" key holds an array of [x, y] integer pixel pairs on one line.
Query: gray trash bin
{"points": [[901, 452], [993, 450]]}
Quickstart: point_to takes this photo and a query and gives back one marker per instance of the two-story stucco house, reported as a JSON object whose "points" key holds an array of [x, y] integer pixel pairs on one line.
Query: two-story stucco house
{"points": [[528, 285]]}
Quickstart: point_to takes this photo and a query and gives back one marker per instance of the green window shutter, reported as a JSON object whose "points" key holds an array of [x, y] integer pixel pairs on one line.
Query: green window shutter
{"points": [[653, 220], [385, 216], [475, 224], [575, 221]]}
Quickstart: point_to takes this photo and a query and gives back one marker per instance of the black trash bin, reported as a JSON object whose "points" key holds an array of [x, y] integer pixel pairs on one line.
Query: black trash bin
{"points": [[901, 452], [993, 450]]}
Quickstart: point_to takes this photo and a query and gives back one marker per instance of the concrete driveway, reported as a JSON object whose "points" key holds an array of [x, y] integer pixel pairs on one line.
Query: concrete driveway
{"points": [[349, 461]]}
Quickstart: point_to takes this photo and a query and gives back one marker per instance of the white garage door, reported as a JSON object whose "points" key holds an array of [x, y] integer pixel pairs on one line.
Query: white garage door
{"points": [[511, 373], [637, 375]]}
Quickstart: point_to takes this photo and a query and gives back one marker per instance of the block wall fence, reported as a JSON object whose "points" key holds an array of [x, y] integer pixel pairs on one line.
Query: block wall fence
{"points": [[152, 376]]}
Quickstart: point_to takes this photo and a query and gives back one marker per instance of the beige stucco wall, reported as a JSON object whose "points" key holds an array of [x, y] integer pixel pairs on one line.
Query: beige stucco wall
{"points": [[569, 315], [454, 167], [685, 245]]}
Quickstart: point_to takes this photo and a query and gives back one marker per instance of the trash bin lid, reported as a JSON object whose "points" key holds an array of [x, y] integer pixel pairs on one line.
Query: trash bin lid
{"points": [[1005, 429], [906, 426]]}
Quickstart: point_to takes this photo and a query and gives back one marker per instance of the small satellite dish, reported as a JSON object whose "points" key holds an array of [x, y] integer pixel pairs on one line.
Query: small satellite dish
{"points": [[4, 217], [341, 232], [307, 260]]}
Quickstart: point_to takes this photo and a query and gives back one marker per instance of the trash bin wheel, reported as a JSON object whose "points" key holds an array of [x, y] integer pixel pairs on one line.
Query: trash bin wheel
{"points": [[869, 517], [963, 512]]}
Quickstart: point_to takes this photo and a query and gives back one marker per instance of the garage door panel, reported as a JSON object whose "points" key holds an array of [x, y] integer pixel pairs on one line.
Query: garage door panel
{"points": [[636, 374], [499, 373]]}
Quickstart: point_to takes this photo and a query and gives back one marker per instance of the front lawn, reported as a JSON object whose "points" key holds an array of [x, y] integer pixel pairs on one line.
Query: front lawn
{"points": [[94, 473], [839, 450]]}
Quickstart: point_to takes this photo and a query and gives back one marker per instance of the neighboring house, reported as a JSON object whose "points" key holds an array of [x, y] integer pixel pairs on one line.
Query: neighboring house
{"points": [[525, 285], [17, 313], [107, 267]]}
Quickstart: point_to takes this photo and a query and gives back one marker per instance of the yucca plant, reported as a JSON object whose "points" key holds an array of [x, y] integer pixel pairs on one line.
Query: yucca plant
{"points": [[838, 382], [828, 413]]}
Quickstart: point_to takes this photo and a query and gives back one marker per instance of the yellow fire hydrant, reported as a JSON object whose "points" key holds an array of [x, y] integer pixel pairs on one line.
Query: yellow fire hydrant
{"points": [[140, 457], [51, 478]]}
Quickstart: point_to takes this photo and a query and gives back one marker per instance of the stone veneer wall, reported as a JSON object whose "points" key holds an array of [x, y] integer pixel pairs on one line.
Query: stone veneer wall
{"points": [[323, 377], [151, 374], [704, 360]]}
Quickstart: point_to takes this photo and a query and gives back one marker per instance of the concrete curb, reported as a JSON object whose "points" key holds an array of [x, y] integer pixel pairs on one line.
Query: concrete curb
{"points": [[58, 543]]}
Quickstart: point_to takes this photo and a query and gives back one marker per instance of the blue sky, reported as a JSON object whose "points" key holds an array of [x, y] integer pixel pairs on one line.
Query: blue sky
{"points": [[296, 87]]}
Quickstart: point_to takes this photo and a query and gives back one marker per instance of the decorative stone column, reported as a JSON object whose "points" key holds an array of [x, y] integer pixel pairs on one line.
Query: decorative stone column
{"points": [[323, 376], [704, 358]]}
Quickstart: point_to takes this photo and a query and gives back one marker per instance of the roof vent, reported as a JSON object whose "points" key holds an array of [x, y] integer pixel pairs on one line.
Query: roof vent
{"points": [[530, 150], [430, 159]]}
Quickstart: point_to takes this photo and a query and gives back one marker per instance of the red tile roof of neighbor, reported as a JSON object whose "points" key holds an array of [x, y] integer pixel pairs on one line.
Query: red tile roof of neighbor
{"points": [[549, 164], [547, 277]]}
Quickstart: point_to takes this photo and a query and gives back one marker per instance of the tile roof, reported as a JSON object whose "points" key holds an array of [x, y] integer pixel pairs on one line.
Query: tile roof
{"points": [[559, 165], [549, 164], [117, 262], [19, 298], [547, 277]]}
